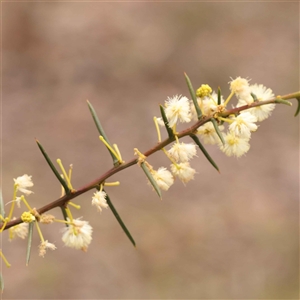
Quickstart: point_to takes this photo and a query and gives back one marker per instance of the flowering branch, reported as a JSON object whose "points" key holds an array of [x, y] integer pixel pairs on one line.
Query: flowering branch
{"points": [[209, 111], [186, 132]]}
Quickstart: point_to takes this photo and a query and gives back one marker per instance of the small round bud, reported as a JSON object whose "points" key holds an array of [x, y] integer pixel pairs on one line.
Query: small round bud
{"points": [[204, 90], [27, 217]]}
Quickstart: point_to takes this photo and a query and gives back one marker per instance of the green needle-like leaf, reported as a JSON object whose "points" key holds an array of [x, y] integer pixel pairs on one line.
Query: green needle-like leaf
{"points": [[65, 215], [1, 282], [194, 97], [282, 101], [151, 179], [166, 122], [56, 173], [219, 133], [119, 220], [102, 132], [219, 96], [30, 231], [197, 141], [298, 107], [2, 211]]}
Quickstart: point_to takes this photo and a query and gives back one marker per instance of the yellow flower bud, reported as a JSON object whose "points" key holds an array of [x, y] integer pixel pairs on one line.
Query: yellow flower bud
{"points": [[204, 90], [27, 217]]}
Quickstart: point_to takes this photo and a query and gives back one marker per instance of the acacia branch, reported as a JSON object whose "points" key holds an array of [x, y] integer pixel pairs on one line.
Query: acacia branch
{"points": [[62, 201]]}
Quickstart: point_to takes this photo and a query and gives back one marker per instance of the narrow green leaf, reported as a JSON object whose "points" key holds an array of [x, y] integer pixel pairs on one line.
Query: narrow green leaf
{"points": [[219, 96], [197, 141], [282, 101], [166, 122], [114, 211], [30, 231], [194, 97], [151, 179], [101, 131], [298, 107], [2, 211], [219, 133], [254, 97], [65, 215], [1, 283], [56, 173]]}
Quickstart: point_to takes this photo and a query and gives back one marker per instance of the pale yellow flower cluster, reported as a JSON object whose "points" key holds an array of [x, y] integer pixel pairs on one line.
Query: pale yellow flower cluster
{"points": [[78, 234], [240, 126], [44, 245], [20, 230], [262, 93], [99, 200], [24, 182], [237, 139], [163, 177], [177, 109]]}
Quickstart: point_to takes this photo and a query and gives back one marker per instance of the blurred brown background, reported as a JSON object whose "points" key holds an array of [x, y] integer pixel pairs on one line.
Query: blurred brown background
{"points": [[233, 235]]}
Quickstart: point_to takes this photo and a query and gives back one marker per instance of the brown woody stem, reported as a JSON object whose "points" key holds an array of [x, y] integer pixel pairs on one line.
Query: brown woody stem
{"points": [[62, 202]]}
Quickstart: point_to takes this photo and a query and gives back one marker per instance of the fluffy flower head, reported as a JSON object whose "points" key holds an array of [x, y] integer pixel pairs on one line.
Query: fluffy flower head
{"points": [[78, 234], [243, 124], [262, 93], [24, 182], [239, 85], [182, 152], [99, 200], [183, 171], [208, 133], [235, 145], [163, 178], [177, 108], [44, 246], [209, 105], [20, 230]]}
